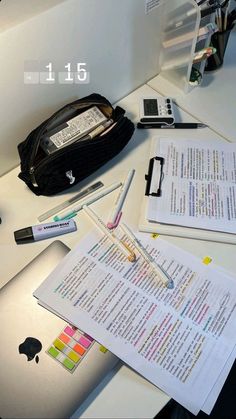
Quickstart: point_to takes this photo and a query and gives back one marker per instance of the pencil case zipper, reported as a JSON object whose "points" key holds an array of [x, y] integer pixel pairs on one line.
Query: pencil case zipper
{"points": [[35, 146], [74, 146]]}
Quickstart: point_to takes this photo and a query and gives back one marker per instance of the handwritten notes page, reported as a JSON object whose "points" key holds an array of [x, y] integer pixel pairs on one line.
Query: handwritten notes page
{"points": [[199, 185], [178, 339]]}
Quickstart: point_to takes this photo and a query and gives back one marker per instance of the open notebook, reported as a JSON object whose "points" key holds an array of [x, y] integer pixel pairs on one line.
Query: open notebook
{"points": [[47, 368]]}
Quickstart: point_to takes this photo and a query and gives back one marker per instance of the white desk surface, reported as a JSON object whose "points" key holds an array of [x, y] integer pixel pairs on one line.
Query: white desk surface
{"points": [[124, 394], [213, 102]]}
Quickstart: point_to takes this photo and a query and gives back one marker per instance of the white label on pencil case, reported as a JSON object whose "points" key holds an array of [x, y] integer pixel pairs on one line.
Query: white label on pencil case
{"points": [[79, 126]]}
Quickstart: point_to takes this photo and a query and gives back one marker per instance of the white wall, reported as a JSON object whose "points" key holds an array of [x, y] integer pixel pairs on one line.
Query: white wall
{"points": [[118, 42], [13, 12]]}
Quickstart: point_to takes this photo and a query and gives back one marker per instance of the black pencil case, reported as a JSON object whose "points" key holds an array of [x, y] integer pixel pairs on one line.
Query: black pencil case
{"points": [[50, 174]]}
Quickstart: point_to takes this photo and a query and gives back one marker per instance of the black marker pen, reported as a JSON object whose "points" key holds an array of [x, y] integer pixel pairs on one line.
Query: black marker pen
{"points": [[44, 231], [177, 125]]}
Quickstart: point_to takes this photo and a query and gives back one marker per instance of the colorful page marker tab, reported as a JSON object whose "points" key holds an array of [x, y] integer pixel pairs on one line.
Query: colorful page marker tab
{"points": [[155, 235], [103, 349], [206, 260], [70, 347]]}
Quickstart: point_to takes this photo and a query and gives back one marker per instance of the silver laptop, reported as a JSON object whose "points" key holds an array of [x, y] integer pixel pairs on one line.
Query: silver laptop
{"points": [[47, 367]]}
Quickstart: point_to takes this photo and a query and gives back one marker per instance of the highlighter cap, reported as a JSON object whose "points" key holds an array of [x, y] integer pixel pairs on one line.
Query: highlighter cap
{"points": [[24, 235]]}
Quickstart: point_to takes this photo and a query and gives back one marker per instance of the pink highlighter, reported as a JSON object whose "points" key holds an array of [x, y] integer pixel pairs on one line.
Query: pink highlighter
{"points": [[117, 213]]}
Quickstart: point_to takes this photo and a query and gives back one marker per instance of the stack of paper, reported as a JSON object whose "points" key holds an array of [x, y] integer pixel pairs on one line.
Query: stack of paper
{"points": [[198, 191], [182, 339]]}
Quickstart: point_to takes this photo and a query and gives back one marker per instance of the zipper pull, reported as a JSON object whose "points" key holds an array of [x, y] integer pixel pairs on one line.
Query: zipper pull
{"points": [[32, 176]]}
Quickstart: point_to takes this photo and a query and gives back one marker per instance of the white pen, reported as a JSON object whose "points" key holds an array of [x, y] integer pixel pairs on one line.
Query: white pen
{"points": [[93, 134], [116, 214], [118, 243], [72, 212], [71, 201], [165, 278]]}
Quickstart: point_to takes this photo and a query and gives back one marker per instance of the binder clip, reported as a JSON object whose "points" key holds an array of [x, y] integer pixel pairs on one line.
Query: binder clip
{"points": [[151, 184]]}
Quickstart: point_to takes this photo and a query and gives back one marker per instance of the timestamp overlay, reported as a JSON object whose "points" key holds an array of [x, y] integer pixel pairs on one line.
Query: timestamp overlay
{"points": [[44, 72]]}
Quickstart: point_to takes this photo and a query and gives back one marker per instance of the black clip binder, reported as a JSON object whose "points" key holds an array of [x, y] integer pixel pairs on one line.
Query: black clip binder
{"points": [[148, 177]]}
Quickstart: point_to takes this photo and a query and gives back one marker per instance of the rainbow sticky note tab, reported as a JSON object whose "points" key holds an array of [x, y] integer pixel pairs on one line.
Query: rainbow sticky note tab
{"points": [[70, 347], [103, 349]]}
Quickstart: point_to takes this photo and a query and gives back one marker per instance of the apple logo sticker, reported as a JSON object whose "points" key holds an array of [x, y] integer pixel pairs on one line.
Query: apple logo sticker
{"points": [[30, 347]]}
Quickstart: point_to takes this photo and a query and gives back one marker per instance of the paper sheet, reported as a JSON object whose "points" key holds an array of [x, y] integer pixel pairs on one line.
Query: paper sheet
{"points": [[199, 185], [151, 5], [212, 397], [178, 339]]}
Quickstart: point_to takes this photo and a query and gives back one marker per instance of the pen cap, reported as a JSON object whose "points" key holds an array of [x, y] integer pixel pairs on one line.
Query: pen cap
{"points": [[24, 235]]}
